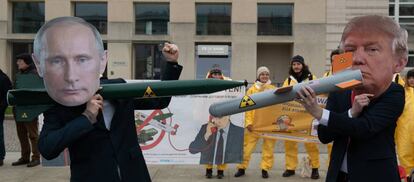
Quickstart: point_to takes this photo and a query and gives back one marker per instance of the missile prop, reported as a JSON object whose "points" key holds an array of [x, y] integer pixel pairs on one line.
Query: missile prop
{"points": [[35, 100], [340, 81], [39, 96]]}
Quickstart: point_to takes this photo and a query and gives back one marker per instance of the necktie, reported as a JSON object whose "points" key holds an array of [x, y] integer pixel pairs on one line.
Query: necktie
{"points": [[219, 148]]}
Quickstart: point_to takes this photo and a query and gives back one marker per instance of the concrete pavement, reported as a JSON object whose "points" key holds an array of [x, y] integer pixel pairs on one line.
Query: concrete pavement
{"points": [[159, 173]]}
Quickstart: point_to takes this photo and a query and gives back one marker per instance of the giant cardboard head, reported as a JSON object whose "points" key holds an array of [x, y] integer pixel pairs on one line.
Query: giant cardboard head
{"points": [[379, 47], [69, 55]]}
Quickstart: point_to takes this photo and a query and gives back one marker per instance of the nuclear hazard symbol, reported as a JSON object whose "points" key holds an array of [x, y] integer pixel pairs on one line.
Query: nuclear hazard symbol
{"points": [[342, 60], [149, 92], [246, 102]]}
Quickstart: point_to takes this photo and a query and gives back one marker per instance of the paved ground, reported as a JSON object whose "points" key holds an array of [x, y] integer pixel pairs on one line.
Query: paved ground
{"points": [[159, 173], [10, 136]]}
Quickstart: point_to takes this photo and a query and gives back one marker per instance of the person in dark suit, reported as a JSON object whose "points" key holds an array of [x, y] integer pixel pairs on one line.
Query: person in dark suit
{"points": [[361, 123], [219, 142], [100, 134]]}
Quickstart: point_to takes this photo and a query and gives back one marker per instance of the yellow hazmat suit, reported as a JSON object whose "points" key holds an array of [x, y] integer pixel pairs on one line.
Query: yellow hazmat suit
{"points": [[404, 139], [291, 148], [221, 167], [250, 139], [398, 79]]}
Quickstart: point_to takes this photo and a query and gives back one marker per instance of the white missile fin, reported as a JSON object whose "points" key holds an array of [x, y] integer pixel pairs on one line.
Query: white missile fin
{"points": [[246, 102]]}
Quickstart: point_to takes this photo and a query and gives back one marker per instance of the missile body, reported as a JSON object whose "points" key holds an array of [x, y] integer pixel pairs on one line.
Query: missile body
{"points": [[39, 96], [343, 80], [30, 102]]}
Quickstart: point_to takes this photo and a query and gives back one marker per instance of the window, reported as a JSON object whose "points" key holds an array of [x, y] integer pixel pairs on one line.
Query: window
{"points": [[28, 17], [274, 19], [410, 58], [212, 55], [152, 19], [403, 12], [213, 19], [94, 13], [148, 62]]}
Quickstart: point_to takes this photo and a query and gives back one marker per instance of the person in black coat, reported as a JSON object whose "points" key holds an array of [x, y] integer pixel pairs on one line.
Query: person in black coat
{"points": [[361, 122], [27, 131], [5, 85], [100, 134]]}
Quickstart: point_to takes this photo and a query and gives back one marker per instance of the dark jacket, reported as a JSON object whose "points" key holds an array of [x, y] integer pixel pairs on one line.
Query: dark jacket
{"points": [[28, 78], [234, 146], [98, 154], [5, 85], [370, 137]]}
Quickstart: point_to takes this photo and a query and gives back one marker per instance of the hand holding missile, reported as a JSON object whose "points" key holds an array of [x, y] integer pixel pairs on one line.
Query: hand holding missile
{"points": [[170, 52], [307, 98], [92, 108]]}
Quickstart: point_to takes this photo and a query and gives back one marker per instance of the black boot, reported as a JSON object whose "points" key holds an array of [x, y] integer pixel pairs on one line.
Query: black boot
{"points": [[288, 173], [209, 173], [19, 162], [220, 174], [315, 173], [240, 172], [33, 163], [265, 174]]}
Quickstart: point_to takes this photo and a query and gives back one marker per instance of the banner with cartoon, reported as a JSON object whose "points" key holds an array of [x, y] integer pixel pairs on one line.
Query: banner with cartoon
{"points": [[172, 135], [287, 121]]}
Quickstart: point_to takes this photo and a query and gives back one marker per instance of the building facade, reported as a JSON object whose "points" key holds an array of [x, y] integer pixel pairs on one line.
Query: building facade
{"points": [[235, 35]]}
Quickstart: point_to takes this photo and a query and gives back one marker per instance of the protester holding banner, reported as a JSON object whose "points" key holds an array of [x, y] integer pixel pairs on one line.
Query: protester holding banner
{"points": [[215, 73], [250, 139], [404, 139], [362, 122], [299, 72]]}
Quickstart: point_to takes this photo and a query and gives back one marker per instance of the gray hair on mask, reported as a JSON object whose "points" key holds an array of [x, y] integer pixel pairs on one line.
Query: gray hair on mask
{"points": [[381, 24]]}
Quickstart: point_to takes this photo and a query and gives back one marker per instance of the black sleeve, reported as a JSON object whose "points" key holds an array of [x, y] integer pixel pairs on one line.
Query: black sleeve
{"points": [[5, 85], [379, 115], [324, 134], [200, 144], [56, 136], [172, 71]]}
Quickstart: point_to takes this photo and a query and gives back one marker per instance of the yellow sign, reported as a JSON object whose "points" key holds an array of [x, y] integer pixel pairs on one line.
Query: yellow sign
{"points": [[287, 121], [246, 102], [149, 92]]}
